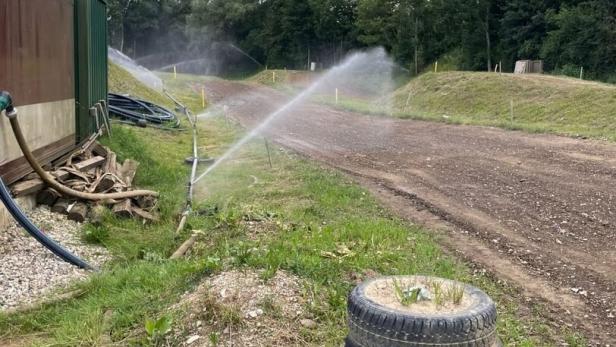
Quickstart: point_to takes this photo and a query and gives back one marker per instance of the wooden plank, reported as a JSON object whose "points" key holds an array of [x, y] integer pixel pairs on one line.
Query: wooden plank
{"points": [[31, 176], [90, 163], [111, 166], [14, 170], [27, 187], [61, 175], [37, 48]]}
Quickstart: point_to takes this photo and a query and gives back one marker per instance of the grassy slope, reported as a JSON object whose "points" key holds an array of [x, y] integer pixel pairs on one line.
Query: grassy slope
{"points": [[540, 103], [122, 82], [312, 210]]}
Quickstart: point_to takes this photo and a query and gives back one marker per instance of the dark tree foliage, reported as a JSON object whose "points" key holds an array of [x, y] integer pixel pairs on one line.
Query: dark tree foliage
{"points": [[467, 34]]}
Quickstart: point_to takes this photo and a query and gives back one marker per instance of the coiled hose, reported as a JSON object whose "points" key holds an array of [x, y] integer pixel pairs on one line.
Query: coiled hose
{"points": [[141, 112]]}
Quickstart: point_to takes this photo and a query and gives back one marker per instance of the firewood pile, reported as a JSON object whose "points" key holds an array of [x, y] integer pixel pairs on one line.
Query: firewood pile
{"points": [[92, 168]]}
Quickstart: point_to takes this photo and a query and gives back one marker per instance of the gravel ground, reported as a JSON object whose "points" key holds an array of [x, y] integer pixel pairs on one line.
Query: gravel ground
{"points": [[28, 271]]}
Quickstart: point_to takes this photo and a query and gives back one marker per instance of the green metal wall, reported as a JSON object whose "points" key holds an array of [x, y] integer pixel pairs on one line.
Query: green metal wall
{"points": [[90, 61]]}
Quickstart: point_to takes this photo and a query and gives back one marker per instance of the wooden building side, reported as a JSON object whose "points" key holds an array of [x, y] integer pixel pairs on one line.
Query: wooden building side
{"points": [[53, 60]]}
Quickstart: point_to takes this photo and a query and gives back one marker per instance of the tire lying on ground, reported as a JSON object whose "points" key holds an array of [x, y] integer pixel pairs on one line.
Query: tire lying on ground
{"points": [[378, 318]]}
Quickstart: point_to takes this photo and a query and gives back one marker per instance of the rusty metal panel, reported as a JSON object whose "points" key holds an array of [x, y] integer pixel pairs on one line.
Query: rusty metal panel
{"points": [[36, 50]]}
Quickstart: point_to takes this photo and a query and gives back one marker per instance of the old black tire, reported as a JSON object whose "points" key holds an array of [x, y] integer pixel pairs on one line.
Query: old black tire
{"points": [[374, 325]]}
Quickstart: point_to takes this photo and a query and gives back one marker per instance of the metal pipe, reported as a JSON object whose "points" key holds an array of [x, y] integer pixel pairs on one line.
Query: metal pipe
{"points": [[195, 164]]}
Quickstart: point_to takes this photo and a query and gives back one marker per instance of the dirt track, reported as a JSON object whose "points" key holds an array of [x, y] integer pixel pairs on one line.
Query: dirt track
{"points": [[536, 210]]}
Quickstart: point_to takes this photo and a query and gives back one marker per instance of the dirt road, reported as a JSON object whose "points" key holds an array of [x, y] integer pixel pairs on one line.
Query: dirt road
{"points": [[537, 210]]}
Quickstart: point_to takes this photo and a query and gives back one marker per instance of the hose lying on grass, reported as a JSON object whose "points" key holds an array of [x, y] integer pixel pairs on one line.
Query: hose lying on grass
{"points": [[141, 113]]}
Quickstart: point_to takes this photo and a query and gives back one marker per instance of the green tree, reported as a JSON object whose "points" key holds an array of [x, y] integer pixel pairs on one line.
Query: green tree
{"points": [[583, 35]]}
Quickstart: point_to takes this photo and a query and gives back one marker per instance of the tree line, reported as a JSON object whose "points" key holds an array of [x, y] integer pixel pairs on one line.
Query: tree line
{"points": [[460, 34]]}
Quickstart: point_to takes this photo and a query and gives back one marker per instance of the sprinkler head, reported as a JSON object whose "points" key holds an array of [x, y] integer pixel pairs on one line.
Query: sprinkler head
{"points": [[6, 102]]}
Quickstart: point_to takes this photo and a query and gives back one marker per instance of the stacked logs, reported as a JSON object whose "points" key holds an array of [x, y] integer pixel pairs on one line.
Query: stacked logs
{"points": [[92, 168]]}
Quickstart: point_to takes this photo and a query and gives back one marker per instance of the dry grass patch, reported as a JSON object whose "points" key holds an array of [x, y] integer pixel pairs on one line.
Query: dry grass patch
{"points": [[240, 308]]}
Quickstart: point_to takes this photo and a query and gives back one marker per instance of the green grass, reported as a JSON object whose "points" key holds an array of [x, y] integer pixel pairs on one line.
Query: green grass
{"points": [[315, 223], [316, 210], [540, 103], [122, 82]]}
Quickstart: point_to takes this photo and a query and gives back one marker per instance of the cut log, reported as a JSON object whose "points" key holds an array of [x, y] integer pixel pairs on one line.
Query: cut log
{"points": [[78, 212], [145, 215], [61, 206], [47, 197], [103, 183], [111, 165], [146, 202], [128, 170], [101, 150], [123, 209], [28, 187], [91, 163]]}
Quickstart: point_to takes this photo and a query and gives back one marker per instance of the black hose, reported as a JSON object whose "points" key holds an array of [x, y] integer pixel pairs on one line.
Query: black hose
{"points": [[6, 104], [46, 241], [138, 111]]}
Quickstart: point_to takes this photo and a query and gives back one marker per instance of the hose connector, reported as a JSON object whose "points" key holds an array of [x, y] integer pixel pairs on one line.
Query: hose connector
{"points": [[6, 104]]}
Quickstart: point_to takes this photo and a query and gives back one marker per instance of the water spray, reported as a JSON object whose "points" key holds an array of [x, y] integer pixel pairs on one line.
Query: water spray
{"points": [[330, 75], [144, 75], [242, 52]]}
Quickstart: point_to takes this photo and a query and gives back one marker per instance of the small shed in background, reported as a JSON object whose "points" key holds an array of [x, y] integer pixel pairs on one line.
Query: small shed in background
{"points": [[528, 66], [53, 60]]}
